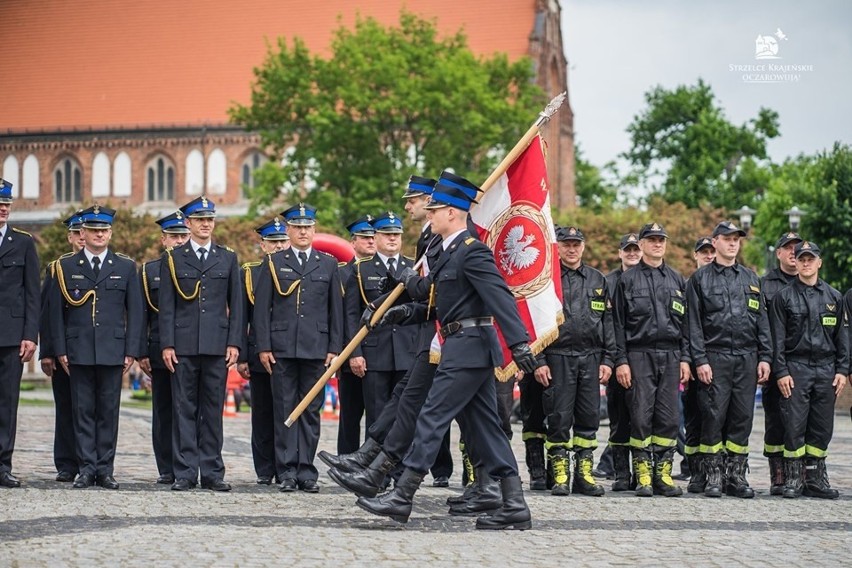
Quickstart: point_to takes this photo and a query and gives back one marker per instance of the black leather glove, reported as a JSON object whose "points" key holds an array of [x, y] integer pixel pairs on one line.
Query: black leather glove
{"points": [[524, 358], [367, 316], [406, 275], [395, 315]]}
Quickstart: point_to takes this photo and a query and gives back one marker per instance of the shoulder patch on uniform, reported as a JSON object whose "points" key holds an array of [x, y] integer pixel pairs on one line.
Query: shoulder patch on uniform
{"points": [[17, 230], [469, 240], [754, 289], [599, 291]]}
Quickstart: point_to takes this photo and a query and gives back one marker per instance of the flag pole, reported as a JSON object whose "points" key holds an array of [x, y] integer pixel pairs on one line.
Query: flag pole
{"points": [[543, 117]]}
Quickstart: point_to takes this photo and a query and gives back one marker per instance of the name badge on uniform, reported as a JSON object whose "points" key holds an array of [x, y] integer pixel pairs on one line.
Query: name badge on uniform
{"points": [[678, 307], [115, 276], [374, 277], [77, 277], [284, 269], [598, 305], [829, 321], [156, 278], [753, 304]]}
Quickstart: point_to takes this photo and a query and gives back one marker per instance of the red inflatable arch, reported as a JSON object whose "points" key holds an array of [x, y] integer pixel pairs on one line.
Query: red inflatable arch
{"points": [[335, 246]]}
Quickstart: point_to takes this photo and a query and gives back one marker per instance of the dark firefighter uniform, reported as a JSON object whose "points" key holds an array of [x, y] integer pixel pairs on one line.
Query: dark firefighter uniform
{"points": [[773, 436], [649, 308], [810, 331], [96, 321], [298, 317], [572, 400], [728, 330]]}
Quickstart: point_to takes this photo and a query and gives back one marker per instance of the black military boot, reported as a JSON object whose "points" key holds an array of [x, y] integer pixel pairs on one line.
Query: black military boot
{"points": [[470, 491], [535, 463], [713, 472], [486, 499], [737, 484], [698, 479], [356, 461], [792, 477], [642, 471], [584, 482], [514, 514], [621, 464], [395, 504], [816, 480], [560, 468], [468, 471], [366, 483], [663, 483], [776, 475]]}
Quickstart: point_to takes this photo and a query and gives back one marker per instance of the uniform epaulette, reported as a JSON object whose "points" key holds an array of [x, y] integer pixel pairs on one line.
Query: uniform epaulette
{"points": [[66, 255], [51, 268], [229, 249], [326, 254], [469, 240], [122, 255], [247, 265], [360, 260], [341, 264], [408, 258], [17, 230]]}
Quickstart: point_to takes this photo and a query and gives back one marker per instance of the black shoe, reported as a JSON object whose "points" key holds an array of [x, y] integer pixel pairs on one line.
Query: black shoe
{"points": [[166, 479], [9, 480], [65, 476], [84, 480], [309, 486], [288, 485], [183, 485], [441, 481], [264, 480], [107, 482], [216, 485]]}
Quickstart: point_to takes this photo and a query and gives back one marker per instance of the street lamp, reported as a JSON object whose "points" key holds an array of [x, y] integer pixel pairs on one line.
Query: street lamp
{"points": [[794, 216], [746, 215]]}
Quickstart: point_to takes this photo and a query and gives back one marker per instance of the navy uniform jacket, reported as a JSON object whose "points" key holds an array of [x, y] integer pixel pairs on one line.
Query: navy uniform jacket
{"points": [[468, 285], [45, 346], [214, 318], [389, 348], [149, 281], [306, 322], [19, 289], [108, 325], [251, 271]]}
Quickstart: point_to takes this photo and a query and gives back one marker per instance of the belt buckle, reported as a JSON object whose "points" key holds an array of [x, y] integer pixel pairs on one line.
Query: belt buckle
{"points": [[450, 329]]}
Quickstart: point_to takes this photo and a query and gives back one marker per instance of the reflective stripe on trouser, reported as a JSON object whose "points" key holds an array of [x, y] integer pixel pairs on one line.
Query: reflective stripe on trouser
{"points": [[619, 413], [773, 436], [652, 398], [691, 417], [532, 412], [727, 403], [573, 399], [808, 414]]}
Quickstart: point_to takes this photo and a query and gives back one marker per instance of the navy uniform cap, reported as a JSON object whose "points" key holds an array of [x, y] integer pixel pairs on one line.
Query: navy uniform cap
{"points": [[362, 227], [273, 230], [97, 217], [703, 242], [418, 186], [653, 230], [5, 191], [200, 208], [628, 240], [174, 223], [727, 228], [300, 214], [807, 247], [75, 221], [453, 191], [569, 234], [388, 222], [787, 238]]}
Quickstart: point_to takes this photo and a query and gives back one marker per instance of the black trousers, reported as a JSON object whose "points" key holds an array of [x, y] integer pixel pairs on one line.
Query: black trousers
{"points": [[351, 397], [532, 409], [773, 435], [262, 424], [808, 414], [11, 369], [64, 441], [652, 399], [470, 394], [296, 446], [378, 387], [572, 401], [198, 395], [162, 424], [618, 412], [95, 398], [727, 403], [691, 417]]}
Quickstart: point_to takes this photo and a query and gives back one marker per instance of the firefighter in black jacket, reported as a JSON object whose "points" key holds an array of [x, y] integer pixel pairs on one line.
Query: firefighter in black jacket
{"points": [[810, 330]]}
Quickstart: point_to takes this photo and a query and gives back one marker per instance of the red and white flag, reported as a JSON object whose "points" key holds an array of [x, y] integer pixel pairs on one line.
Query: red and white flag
{"points": [[514, 220]]}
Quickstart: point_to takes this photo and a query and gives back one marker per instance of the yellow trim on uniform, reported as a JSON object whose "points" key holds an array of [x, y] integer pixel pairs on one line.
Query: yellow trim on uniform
{"points": [[736, 448], [690, 450], [360, 280], [297, 285], [641, 444], [797, 453], [145, 288], [548, 445], [815, 452], [585, 443], [769, 449], [180, 291], [60, 276], [714, 449], [663, 442]]}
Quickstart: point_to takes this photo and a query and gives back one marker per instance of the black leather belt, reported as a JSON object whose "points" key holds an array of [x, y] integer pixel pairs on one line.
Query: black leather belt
{"points": [[456, 326]]}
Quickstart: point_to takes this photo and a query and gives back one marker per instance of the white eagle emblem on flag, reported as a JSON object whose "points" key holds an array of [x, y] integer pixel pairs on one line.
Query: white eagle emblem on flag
{"points": [[518, 252]]}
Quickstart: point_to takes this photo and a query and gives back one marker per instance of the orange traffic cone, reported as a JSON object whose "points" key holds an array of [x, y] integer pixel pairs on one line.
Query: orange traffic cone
{"points": [[328, 407], [230, 410]]}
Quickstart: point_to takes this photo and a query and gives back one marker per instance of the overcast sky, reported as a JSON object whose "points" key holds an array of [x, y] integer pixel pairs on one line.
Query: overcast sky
{"points": [[619, 49]]}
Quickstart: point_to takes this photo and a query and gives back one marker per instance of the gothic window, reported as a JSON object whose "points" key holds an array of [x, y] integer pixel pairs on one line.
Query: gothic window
{"points": [[160, 179], [67, 181]]}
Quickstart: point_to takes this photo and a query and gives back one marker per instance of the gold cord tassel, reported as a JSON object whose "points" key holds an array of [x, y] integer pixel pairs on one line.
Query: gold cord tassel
{"points": [[60, 275], [145, 287], [180, 292]]}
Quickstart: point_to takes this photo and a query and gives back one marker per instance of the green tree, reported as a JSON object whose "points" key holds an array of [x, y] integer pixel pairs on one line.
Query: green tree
{"points": [[389, 102], [596, 188], [685, 148]]}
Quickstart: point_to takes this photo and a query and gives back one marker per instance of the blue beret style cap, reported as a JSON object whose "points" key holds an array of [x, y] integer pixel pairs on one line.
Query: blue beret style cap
{"points": [[418, 186], [5, 191], [301, 214], [97, 217], [75, 221], [174, 223], [388, 223], [199, 208], [453, 191], [362, 227], [273, 230]]}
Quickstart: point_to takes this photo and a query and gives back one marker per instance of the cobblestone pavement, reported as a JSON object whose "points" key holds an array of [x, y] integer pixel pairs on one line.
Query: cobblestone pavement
{"points": [[48, 523]]}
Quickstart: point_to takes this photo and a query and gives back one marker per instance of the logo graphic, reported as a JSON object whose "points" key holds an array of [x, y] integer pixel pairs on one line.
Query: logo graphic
{"points": [[522, 250], [766, 46], [517, 252]]}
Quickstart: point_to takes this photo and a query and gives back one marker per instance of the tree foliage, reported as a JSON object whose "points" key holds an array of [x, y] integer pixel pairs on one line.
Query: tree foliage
{"points": [[389, 102], [596, 187], [687, 150]]}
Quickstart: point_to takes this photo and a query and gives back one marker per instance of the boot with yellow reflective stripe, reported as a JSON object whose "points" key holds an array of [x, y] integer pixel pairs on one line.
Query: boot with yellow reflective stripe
{"points": [[642, 471], [663, 483], [559, 470], [584, 481]]}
